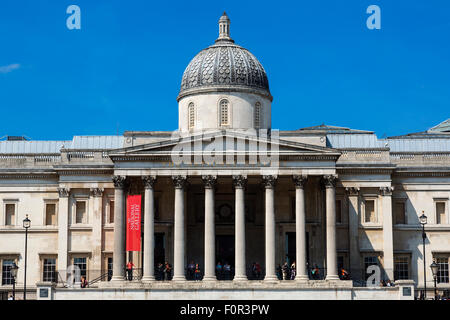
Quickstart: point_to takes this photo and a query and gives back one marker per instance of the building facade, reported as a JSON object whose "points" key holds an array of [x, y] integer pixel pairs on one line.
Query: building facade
{"points": [[226, 187]]}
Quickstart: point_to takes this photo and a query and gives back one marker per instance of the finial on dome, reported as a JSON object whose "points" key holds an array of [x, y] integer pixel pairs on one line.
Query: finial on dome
{"points": [[224, 28]]}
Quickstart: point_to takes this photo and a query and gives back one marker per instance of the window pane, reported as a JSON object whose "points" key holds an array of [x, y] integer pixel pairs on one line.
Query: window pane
{"points": [[81, 263], [10, 209], [370, 211], [81, 212], [442, 276], [401, 268], [440, 212], [49, 272], [6, 272], [50, 214]]}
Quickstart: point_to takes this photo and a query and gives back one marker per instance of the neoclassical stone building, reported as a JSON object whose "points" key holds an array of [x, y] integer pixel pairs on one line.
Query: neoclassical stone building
{"points": [[226, 187]]}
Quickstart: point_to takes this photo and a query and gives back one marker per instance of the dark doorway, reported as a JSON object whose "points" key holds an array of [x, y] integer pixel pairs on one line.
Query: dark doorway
{"points": [[225, 255], [291, 248], [159, 249]]}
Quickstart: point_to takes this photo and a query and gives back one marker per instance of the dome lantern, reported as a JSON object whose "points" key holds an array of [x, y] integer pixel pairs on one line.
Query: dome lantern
{"points": [[224, 28]]}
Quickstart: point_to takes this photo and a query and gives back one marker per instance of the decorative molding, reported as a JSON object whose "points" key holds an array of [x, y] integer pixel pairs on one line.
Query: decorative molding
{"points": [[149, 181], [269, 181], [179, 181], [209, 181], [119, 181], [239, 181], [352, 191], [63, 192], [329, 180], [97, 192], [386, 191], [299, 180]]}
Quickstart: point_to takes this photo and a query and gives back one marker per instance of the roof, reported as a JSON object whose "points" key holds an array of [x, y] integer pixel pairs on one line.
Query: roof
{"points": [[334, 129]]}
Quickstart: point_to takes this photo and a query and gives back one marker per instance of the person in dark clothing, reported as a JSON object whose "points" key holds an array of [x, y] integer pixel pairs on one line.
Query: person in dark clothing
{"points": [[197, 273], [160, 271], [279, 273], [167, 271], [190, 270]]}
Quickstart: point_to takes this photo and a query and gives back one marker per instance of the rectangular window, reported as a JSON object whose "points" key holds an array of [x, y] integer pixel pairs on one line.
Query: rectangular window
{"points": [[440, 213], [111, 211], [401, 268], [369, 261], [399, 212], [338, 211], [81, 263], [50, 214], [10, 214], [7, 277], [369, 210], [81, 212], [442, 276], [49, 270]]}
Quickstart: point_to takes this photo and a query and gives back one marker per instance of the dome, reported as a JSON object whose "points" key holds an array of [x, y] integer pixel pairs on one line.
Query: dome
{"points": [[224, 67]]}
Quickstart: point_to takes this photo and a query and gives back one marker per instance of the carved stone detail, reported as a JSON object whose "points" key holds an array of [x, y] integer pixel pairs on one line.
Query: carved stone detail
{"points": [[179, 181], [269, 181], [63, 192], [209, 181], [97, 192], [352, 191], [329, 180], [149, 181], [386, 191], [119, 181], [299, 181], [239, 181]]}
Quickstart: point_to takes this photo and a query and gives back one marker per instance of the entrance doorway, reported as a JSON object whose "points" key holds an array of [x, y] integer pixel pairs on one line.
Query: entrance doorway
{"points": [[160, 256], [291, 253], [225, 255]]}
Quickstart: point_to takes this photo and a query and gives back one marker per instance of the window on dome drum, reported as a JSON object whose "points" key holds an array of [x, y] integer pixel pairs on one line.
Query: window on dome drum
{"points": [[7, 277], [443, 274], [369, 211], [81, 215], [400, 212], [191, 112], [440, 212], [50, 214], [49, 270], [10, 214], [257, 115], [224, 114], [401, 267]]}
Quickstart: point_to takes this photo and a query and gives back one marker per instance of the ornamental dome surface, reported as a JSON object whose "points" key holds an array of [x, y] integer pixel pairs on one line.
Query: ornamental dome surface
{"points": [[224, 67]]}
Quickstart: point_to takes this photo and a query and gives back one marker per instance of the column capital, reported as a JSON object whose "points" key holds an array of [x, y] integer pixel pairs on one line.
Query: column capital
{"points": [[119, 181], [239, 181], [63, 192], [179, 181], [386, 191], [352, 191], [299, 180], [209, 181], [149, 181], [97, 192], [329, 180], [269, 181]]}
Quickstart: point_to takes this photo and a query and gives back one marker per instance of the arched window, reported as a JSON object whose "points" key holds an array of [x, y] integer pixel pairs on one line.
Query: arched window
{"points": [[191, 113], [257, 115], [224, 113]]}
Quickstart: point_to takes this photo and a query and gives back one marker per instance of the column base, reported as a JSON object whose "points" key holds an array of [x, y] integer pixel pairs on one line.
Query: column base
{"points": [[148, 279], [271, 278], [240, 278], [332, 277], [179, 278], [302, 277], [118, 278], [209, 278]]}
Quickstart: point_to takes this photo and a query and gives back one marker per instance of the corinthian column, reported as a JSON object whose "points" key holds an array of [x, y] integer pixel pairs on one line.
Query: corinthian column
{"points": [[239, 183], [179, 236], [149, 229], [63, 229], [300, 228], [330, 184], [119, 229], [269, 182], [210, 237]]}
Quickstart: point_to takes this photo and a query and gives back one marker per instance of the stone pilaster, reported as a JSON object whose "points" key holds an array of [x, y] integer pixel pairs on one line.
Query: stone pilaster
{"points": [[96, 240], [353, 232], [63, 230], [388, 242]]}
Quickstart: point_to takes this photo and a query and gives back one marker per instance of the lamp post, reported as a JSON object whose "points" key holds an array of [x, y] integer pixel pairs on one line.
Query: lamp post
{"points": [[26, 225], [435, 269], [423, 222], [14, 269]]}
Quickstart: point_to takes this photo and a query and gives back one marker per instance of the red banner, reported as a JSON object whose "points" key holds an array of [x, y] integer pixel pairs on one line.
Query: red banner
{"points": [[134, 223]]}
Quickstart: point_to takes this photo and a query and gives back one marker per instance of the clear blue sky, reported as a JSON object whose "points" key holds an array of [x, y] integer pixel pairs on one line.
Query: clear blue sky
{"points": [[123, 69]]}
